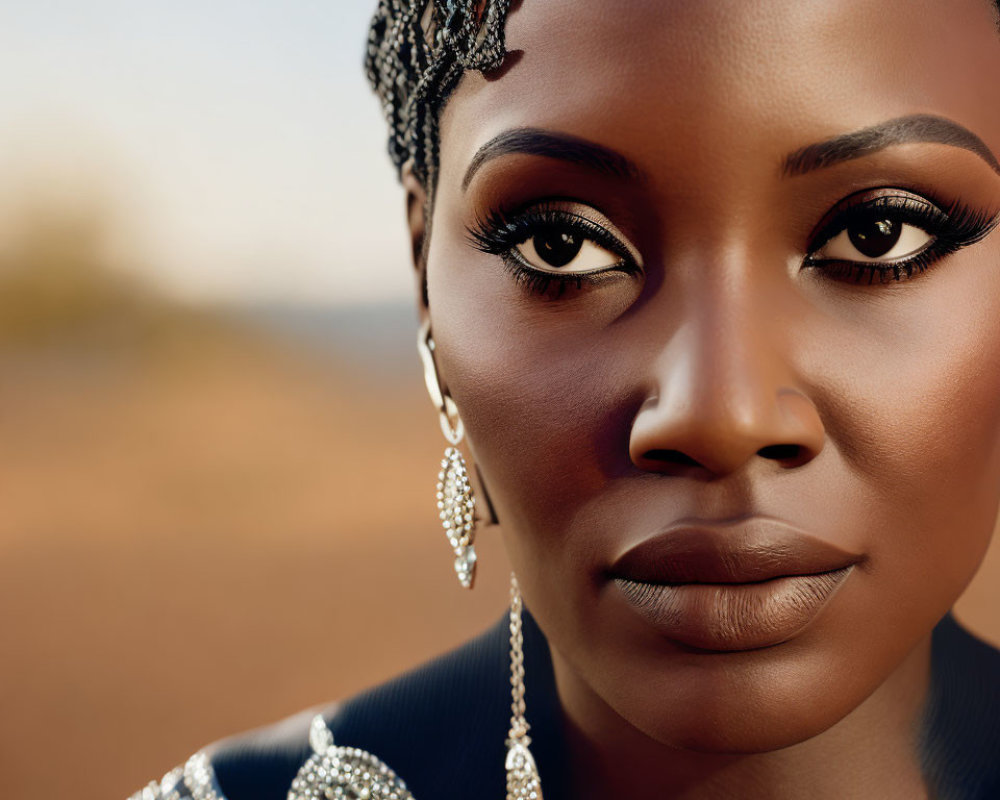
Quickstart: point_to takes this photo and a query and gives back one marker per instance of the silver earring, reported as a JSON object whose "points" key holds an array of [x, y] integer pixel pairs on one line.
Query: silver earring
{"points": [[457, 509], [523, 781], [455, 501]]}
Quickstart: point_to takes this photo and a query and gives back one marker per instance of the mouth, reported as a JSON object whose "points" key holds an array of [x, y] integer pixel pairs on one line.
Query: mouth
{"points": [[731, 587]]}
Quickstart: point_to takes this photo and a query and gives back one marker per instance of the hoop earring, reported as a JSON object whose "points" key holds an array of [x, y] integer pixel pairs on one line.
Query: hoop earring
{"points": [[523, 781], [455, 501]]}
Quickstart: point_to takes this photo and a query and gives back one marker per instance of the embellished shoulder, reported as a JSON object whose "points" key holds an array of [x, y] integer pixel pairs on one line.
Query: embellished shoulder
{"points": [[331, 772], [262, 756], [435, 733]]}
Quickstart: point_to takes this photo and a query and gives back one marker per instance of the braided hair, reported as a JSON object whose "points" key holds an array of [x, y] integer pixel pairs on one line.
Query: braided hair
{"points": [[417, 52]]}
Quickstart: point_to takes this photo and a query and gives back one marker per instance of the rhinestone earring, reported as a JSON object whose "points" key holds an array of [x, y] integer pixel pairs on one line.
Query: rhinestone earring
{"points": [[455, 501], [523, 781], [457, 509]]}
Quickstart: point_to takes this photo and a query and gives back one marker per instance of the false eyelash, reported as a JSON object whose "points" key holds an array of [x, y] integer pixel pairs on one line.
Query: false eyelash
{"points": [[497, 231], [953, 229], [499, 234]]}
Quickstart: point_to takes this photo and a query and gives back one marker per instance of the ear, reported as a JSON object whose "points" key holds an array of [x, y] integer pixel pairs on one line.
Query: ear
{"points": [[416, 221]]}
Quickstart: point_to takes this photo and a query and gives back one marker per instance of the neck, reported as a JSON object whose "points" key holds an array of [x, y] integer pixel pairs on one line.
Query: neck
{"points": [[872, 752]]}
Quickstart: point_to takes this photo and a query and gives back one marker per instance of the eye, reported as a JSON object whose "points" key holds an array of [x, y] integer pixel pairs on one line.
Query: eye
{"points": [[891, 234], [556, 246], [884, 239], [567, 249]]}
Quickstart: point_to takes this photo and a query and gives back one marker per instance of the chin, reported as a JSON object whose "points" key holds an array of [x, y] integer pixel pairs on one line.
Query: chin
{"points": [[743, 729], [750, 702], [744, 722]]}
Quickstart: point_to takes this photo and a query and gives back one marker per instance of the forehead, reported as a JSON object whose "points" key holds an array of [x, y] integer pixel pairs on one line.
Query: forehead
{"points": [[683, 85]]}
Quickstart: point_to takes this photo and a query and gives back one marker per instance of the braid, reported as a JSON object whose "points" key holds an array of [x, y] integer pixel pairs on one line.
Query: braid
{"points": [[417, 52]]}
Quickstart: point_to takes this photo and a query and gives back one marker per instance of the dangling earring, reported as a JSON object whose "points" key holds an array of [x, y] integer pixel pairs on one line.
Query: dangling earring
{"points": [[523, 781], [455, 501], [457, 509]]}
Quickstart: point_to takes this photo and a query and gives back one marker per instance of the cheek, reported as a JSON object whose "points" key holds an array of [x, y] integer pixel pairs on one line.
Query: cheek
{"points": [[544, 399], [543, 416], [919, 420]]}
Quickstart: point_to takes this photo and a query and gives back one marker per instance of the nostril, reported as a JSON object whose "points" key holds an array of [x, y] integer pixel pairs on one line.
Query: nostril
{"points": [[670, 457], [780, 452], [788, 454]]}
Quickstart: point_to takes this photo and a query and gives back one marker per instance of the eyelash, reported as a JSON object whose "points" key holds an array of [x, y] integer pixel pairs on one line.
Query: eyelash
{"points": [[953, 229], [499, 234]]}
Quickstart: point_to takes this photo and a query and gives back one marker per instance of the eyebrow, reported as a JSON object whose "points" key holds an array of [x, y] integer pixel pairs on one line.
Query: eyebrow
{"points": [[846, 147], [902, 130], [562, 146]]}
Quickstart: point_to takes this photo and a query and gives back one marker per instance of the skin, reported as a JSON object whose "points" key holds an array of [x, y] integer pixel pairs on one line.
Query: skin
{"points": [[884, 396]]}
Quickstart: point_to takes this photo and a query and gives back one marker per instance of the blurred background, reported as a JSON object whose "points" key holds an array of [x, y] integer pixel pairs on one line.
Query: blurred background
{"points": [[217, 462], [217, 459]]}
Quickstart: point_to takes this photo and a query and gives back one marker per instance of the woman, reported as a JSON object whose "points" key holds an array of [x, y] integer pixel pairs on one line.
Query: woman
{"points": [[714, 289]]}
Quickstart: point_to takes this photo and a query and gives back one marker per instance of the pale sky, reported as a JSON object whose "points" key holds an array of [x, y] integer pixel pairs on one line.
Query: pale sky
{"points": [[239, 140]]}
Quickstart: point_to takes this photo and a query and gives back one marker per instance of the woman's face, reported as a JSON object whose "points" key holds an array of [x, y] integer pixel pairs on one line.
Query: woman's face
{"points": [[741, 470]]}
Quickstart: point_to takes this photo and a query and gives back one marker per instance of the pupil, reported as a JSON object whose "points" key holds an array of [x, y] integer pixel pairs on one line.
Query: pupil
{"points": [[876, 237], [557, 248]]}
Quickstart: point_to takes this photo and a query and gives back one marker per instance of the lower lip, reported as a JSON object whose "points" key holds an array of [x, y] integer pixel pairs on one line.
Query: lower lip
{"points": [[729, 617]]}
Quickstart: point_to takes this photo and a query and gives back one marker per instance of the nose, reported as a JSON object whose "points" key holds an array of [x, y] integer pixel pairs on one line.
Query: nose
{"points": [[723, 391]]}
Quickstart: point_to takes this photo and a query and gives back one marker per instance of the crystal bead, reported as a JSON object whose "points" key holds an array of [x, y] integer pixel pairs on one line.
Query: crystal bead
{"points": [[465, 565]]}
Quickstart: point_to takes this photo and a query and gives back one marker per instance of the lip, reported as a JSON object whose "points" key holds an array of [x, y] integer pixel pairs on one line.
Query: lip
{"points": [[740, 585]]}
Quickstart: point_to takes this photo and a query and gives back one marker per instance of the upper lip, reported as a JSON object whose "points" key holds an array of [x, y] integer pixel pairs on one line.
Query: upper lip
{"points": [[748, 550]]}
